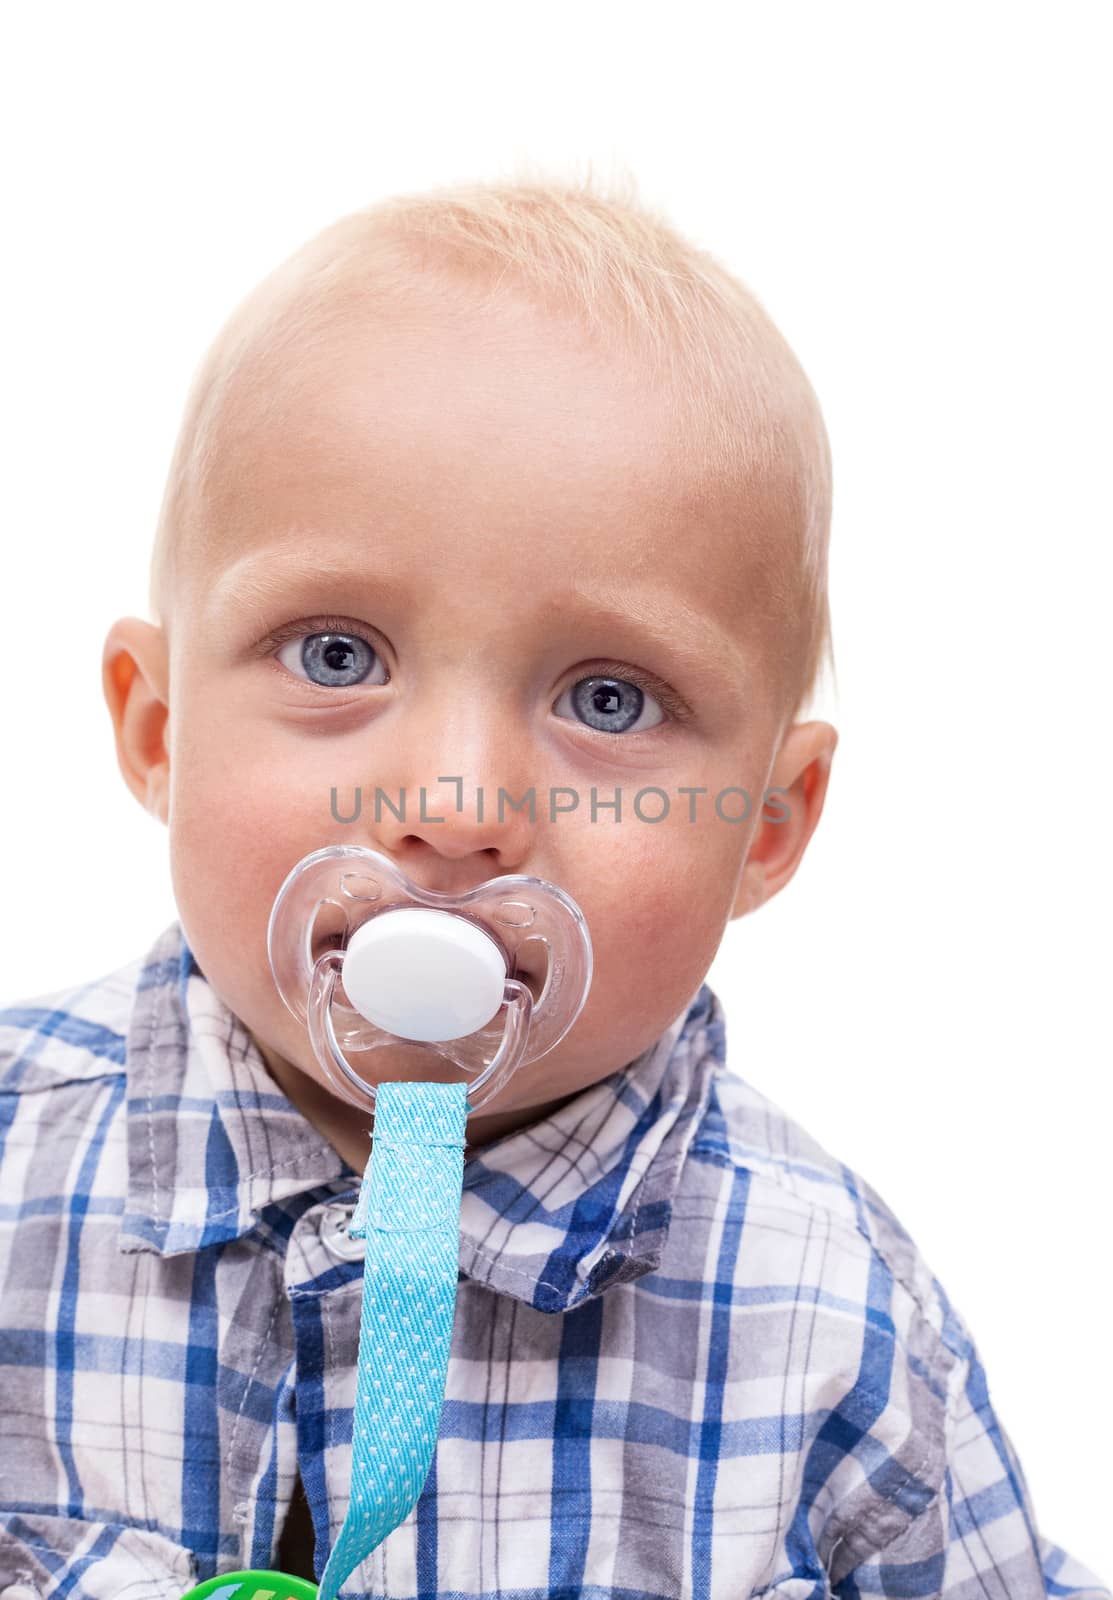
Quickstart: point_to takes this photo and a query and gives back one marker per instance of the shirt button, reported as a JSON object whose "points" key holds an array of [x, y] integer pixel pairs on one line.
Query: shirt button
{"points": [[19, 1591], [336, 1240]]}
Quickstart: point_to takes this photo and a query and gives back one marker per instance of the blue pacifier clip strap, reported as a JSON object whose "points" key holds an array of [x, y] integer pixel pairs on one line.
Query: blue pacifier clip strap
{"points": [[409, 1212]]}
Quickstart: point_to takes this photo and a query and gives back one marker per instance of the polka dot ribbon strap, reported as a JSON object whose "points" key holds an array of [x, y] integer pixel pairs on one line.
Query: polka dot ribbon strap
{"points": [[409, 1213]]}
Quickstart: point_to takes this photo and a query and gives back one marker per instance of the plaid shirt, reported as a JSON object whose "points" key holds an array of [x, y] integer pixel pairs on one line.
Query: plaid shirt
{"points": [[693, 1354]]}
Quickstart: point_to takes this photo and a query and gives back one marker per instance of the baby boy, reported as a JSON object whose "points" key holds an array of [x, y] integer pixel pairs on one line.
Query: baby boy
{"points": [[505, 488]]}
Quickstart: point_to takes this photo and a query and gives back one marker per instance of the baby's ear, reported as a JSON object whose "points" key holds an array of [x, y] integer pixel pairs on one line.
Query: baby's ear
{"points": [[135, 677], [791, 808]]}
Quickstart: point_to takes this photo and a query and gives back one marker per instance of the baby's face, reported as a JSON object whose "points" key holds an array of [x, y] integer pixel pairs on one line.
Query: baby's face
{"points": [[484, 516]]}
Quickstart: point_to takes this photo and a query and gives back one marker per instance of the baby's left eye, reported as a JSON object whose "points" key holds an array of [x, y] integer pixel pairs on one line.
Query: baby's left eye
{"points": [[610, 705], [331, 660]]}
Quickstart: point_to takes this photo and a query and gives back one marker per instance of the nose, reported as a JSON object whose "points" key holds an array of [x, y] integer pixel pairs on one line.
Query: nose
{"points": [[460, 811]]}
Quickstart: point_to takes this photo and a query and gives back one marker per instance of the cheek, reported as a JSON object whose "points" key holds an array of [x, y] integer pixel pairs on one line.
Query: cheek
{"points": [[233, 837], [229, 829], [656, 900], [658, 906]]}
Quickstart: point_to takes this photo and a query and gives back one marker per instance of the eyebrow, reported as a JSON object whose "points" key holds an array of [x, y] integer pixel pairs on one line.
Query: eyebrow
{"points": [[679, 630], [656, 615], [261, 581]]}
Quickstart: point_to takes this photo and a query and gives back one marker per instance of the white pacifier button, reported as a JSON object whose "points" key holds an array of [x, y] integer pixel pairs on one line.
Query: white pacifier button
{"points": [[424, 974]]}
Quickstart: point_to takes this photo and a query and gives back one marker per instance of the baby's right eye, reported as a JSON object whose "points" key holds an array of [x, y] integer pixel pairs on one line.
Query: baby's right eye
{"points": [[331, 660]]}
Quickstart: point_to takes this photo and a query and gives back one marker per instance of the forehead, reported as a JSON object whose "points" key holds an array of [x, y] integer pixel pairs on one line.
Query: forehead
{"points": [[475, 454], [510, 405]]}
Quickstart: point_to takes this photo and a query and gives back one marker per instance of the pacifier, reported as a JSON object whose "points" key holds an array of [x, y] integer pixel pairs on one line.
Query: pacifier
{"points": [[488, 980]]}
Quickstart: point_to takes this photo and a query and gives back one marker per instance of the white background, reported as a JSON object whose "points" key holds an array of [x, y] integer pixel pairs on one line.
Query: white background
{"points": [[917, 196]]}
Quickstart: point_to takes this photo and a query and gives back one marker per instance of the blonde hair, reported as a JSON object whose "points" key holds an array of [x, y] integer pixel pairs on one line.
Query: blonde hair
{"points": [[624, 273]]}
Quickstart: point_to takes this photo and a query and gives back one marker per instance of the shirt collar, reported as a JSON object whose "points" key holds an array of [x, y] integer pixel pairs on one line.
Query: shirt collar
{"points": [[549, 1214]]}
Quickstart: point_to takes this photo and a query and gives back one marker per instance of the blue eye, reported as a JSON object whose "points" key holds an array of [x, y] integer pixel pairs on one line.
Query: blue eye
{"points": [[332, 660], [610, 705]]}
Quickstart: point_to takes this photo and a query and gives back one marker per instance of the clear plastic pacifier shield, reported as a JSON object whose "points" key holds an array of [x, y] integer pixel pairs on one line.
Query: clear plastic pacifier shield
{"points": [[487, 980]]}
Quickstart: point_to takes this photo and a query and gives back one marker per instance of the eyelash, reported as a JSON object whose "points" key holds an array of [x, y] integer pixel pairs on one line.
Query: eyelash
{"points": [[677, 708]]}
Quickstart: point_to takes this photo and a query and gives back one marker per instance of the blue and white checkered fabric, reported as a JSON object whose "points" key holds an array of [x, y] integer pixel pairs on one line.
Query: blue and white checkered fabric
{"points": [[693, 1354]]}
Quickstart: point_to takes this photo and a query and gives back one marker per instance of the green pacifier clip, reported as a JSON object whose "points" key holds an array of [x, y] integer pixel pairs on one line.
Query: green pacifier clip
{"points": [[257, 1584]]}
